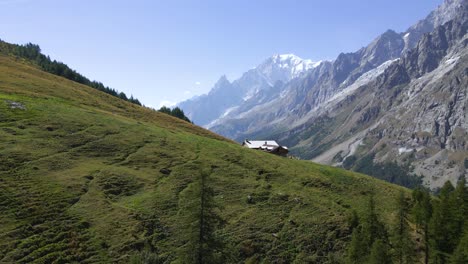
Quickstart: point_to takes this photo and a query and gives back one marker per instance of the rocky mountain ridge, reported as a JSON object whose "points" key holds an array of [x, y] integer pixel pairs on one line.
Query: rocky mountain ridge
{"points": [[225, 96], [396, 100]]}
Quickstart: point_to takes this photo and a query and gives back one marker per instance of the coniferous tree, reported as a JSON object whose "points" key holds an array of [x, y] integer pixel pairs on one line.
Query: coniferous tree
{"points": [[460, 255], [442, 226], [364, 236], [422, 211], [165, 110], [199, 222], [402, 243], [176, 112], [372, 228], [357, 250], [379, 253], [353, 220], [179, 113], [460, 206]]}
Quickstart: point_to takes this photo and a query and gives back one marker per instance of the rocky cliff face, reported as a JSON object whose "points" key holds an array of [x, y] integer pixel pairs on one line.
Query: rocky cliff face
{"points": [[415, 113], [403, 99], [444, 13]]}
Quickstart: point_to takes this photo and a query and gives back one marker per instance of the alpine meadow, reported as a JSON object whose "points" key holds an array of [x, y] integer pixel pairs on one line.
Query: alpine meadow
{"points": [[358, 159]]}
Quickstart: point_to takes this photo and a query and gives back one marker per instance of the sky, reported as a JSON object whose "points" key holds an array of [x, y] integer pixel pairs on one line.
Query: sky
{"points": [[163, 52]]}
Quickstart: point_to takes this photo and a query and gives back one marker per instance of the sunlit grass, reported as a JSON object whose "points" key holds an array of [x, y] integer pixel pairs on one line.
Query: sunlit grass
{"points": [[84, 177]]}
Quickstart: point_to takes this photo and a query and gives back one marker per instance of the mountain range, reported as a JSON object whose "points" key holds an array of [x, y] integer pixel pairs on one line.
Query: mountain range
{"points": [[401, 100]]}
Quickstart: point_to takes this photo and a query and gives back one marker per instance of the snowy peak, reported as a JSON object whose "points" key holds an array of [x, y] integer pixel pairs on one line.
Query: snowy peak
{"points": [[295, 63], [284, 67], [290, 60], [225, 96]]}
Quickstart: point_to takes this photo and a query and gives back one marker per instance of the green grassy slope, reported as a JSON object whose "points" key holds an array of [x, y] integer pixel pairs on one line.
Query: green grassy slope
{"points": [[81, 180]]}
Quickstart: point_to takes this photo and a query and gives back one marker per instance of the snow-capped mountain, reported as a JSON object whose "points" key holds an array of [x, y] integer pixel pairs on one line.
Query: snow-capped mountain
{"points": [[285, 67], [226, 96], [386, 102]]}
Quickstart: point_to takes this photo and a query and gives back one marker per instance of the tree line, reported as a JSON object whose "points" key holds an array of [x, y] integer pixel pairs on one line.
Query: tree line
{"points": [[33, 53], [176, 112], [426, 229], [387, 171]]}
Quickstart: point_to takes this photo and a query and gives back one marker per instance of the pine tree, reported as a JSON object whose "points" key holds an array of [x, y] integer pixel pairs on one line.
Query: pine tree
{"points": [[460, 206], [422, 212], [357, 250], [460, 256], [199, 222], [372, 228], [379, 253], [165, 110], [353, 220], [176, 112], [403, 244], [364, 235], [442, 225], [179, 113]]}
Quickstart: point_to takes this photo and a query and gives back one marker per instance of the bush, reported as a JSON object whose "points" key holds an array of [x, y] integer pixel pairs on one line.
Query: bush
{"points": [[349, 162]]}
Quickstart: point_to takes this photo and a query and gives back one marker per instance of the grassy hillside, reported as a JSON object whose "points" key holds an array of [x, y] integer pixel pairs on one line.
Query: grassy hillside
{"points": [[85, 177]]}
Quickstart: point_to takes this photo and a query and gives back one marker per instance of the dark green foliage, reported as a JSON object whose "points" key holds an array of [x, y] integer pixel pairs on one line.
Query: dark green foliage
{"points": [[165, 110], [199, 220], [442, 222], [353, 220], [379, 253], [404, 247], [389, 171], [368, 237], [176, 112], [349, 162], [357, 249], [422, 211], [372, 227], [146, 257], [460, 199], [460, 256], [33, 53], [448, 221], [442, 227]]}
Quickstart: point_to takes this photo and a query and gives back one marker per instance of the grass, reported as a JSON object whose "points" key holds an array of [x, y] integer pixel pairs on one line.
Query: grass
{"points": [[87, 178]]}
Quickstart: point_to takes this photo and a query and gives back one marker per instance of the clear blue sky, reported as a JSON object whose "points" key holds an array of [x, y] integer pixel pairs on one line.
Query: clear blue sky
{"points": [[171, 50]]}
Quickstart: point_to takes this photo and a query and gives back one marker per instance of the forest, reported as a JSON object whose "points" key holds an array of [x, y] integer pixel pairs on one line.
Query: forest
{"points": [[429, 228]]}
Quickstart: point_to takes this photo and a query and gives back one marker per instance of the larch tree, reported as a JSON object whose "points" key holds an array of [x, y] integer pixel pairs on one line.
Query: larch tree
{"points": [[402, 242], [422, 212], [198, 221]]}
